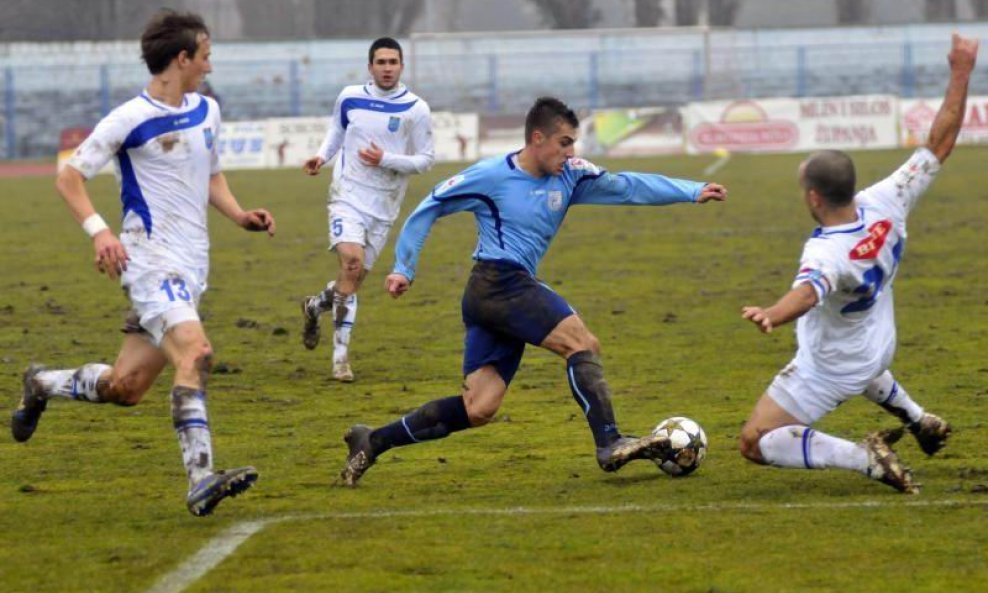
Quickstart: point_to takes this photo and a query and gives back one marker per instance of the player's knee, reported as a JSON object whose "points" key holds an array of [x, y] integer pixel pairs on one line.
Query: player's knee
{"points": [[481, 412], [592, 343], [748, 444], [353, 265], [197, 360]]}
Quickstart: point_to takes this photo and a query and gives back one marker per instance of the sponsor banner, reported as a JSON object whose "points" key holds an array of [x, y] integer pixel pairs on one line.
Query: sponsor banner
{"points": [[916, 118], [632, 132], [456, 136], [786, 125], [290, 141], [241, 145]]}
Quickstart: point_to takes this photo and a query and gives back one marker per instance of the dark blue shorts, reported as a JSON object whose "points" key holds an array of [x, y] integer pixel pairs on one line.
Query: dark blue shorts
{"points": [[505, 307]]}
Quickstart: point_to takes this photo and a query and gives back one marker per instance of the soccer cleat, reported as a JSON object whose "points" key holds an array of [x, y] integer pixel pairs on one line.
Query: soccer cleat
{"points": [[310, 315], [33, 403], [628, 448], [884, 465], [342, 371], [209, 491], [931, 433], [361, 454]]}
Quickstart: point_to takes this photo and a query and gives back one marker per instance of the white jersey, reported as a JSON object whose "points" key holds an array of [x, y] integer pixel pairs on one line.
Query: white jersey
{"points": [[849, 337], [165, 157], [400, 124]]}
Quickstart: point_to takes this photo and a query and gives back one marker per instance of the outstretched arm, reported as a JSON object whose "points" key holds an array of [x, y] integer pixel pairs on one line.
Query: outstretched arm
{"points": [[644, 189], [947, 123], [221, 198], [792, 305]]}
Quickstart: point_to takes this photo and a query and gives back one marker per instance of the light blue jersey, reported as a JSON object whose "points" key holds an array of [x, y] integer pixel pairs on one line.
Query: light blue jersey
{"points": [[518, 214]]}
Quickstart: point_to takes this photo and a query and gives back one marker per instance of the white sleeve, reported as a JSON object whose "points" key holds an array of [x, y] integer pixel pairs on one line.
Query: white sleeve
{"points": [[900, 191], [102, 144], [214, 151], [334, 135], [423, 150], [819, 269]]}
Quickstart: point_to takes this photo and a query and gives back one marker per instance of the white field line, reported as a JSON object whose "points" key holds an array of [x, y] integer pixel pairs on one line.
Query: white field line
{"points": [[716, 165], [223, 545]]}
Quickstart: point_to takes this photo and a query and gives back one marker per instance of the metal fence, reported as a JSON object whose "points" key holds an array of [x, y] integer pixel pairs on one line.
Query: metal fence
{"points": [[490, 73]]}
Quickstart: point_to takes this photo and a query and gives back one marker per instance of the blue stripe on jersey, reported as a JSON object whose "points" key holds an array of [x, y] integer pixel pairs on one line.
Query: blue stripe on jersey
{"points": [[130, 192], [153, 128], [485, 199], [371, 105]]}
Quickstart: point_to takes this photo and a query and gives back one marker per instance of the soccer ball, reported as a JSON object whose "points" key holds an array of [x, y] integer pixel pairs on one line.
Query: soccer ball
{"points": [[688, 446]]}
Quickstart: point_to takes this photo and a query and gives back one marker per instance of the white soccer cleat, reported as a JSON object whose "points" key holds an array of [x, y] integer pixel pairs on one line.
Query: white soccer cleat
{"points": [[342, 371], [884, 465]]}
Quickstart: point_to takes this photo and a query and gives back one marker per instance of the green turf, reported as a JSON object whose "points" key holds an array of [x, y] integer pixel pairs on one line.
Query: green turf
{"points": [[95, 502]]}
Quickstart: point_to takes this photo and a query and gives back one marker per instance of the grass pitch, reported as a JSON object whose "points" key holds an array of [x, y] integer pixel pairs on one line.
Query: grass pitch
{"points": [[95, 501]]}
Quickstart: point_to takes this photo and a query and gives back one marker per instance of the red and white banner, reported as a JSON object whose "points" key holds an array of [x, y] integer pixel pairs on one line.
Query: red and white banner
{"points": [[792, 125], [916, 117]]}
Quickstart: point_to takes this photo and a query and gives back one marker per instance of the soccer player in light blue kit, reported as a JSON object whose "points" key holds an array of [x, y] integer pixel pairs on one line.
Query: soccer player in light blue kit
{"points": [[519, 202]]}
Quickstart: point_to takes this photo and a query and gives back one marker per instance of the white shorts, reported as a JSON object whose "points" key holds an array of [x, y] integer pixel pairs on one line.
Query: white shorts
{"points": [[349, 225], [804, 394], [162, 299]]}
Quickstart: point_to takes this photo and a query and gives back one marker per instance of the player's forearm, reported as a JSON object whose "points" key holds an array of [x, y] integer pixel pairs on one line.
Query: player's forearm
{"points": [[71, 186], [221, 198], [947, 123], [792, 306], [408, 164], [331, 143]]}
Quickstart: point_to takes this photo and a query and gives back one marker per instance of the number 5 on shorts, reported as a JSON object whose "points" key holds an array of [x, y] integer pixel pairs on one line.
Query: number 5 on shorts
{"points": [[337, 226]]}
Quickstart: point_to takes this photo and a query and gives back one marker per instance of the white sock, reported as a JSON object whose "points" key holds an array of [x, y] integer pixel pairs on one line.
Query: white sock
{"points": [[345, 316], [802, 447], [81, 384], [888, 393], [326, 297], [192, 428]]}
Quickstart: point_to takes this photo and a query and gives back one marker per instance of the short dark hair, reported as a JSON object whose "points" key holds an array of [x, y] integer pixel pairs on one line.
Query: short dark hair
{"points": [[545, 115], [384, 43], [167, 34], [831, 174]]}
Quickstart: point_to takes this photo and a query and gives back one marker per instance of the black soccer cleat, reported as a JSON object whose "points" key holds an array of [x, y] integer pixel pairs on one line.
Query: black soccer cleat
{"points": [[884, 464], [360, 456], [209, 491], [628, 448], [310, 323], [25, 419]]}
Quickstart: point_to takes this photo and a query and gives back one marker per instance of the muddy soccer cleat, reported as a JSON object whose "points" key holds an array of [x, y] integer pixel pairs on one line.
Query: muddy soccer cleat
{"points": [[931, 433], [310, 326], [25, 419], [360, 456], [209, 491], [884, 465], [628, 448]]}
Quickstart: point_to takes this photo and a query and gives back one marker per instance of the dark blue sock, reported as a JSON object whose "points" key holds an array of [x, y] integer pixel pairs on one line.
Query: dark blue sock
{"points": [[586, 381], [434, 420]]}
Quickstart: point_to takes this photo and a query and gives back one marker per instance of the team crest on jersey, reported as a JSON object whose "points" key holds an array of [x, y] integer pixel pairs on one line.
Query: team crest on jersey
{"points": [[449, 184], [393, 122], [869, 247], [555, 200], [207, 133]]}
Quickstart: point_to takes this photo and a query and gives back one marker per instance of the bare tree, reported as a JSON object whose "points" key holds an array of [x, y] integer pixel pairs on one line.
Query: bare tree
{"points": [[567, 14], [648, 13], [720, 13], [852, 12], [980, 8], [941, 10]]}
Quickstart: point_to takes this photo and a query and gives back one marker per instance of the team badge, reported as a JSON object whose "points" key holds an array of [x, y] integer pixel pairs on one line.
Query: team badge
{"points": [[393, 122], [207, 133], [555, 200], [448, 184]]}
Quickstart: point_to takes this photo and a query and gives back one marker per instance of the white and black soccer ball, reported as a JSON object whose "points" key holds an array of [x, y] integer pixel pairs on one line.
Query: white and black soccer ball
{"points": [[688, 445]]}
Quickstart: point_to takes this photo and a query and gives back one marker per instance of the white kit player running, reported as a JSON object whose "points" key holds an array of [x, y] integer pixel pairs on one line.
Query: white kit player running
{"points": [[842, 298], [164, 143], [383, 132]]}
